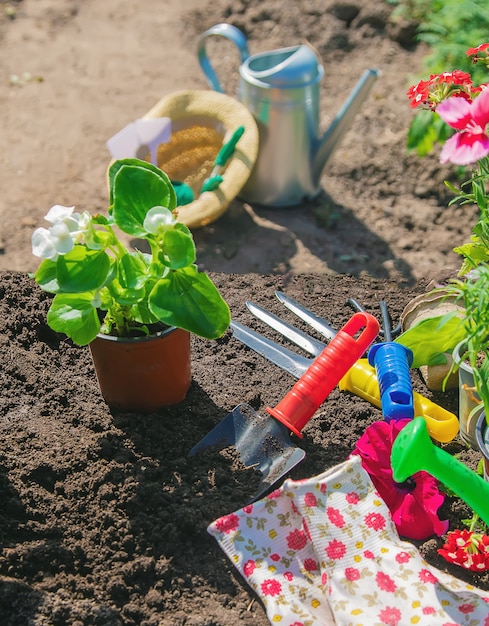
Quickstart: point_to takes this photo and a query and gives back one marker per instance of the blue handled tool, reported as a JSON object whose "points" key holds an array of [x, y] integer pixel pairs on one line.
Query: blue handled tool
{"points": [[392, 362]]}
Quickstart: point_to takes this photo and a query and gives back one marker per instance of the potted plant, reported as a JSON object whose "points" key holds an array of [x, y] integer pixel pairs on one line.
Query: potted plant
{"points": [[464, 109], [112, 298]]}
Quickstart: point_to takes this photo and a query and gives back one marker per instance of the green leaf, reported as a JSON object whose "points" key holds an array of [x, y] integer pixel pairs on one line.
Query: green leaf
{"points": [[431, 338], [179, 247], [75, 316], [46, 276], [82, 270], [117, 165], [137, 189], [132, 271], [188, 299]]}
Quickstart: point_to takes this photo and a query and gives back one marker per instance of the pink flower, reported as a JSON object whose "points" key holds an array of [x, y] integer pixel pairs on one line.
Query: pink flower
{"points": [[275, 494], [352, 498], [414, 504], [375, 521], [335, 517], [310, 565], [227, 523], [403, 557], [288, 576], [426, 576], [296, 539], [248, 509], [385, 582], [428, 610], [324, 579], [470, 118], [335, 549], [310, 499], [368, 554], [351, 573], [465, 608], [270, 587], [390, 616], [249, 567]]}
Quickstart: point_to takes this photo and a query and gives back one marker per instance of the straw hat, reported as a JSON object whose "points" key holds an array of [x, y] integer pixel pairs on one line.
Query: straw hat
{"points": [[201, 122]]}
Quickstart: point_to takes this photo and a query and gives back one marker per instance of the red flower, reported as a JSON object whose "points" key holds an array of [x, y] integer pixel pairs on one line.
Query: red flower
{"points": [[288, 576], [467, 549], [368, 554], [275, 557], [310, 499], [227, 523], [351, 573], [431, 92], [335, 517], [375, 521], [471, 51], [385, 582], [414, 504], [270, 587], [352, 498], [403, 557], [249, 567], [390, 616], [310, 565], [425, 576], [335, 549], [296, 539]]}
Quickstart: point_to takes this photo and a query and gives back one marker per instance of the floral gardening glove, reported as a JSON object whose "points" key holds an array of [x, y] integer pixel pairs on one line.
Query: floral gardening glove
{"points": [[338, 523], [267, 543]]}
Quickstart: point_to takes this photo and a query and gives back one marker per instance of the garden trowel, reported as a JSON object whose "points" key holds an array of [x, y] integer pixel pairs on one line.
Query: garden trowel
{"points": [[263, 442]]}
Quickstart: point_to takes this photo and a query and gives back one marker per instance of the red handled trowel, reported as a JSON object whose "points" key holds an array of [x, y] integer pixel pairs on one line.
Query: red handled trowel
{"points": [[263, 442]]}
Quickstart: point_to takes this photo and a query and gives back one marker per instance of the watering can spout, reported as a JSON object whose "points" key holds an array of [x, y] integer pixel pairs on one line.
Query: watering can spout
{"points": [[342, 122]]}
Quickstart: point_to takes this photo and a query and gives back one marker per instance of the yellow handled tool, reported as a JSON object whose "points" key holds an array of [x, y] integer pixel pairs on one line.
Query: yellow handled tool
{"points": [[361, 379]]}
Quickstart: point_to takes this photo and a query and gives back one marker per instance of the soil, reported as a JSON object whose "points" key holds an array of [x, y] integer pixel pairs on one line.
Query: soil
{"points": [[104, 516]]}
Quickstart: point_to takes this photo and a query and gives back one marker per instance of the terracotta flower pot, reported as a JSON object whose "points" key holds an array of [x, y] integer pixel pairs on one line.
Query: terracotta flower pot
{"points": [[143, 374]]}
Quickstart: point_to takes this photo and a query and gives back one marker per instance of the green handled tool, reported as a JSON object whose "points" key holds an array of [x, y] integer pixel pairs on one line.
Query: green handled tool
{"points": [[224, 154]]}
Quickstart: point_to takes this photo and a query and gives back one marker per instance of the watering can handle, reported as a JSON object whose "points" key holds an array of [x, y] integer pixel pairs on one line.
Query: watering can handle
{"points": [[327, 369], [229, 32]]}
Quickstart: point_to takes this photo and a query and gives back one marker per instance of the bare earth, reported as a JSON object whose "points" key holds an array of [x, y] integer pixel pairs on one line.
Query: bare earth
{"points": [[103, 518], [74, 73]]}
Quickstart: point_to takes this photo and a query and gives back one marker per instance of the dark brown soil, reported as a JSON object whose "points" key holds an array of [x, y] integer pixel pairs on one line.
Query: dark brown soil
{"points": [[104, 516]]}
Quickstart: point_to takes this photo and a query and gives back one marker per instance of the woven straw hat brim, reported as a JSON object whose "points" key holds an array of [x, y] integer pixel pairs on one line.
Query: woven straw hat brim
{"points": [[223, 113]]}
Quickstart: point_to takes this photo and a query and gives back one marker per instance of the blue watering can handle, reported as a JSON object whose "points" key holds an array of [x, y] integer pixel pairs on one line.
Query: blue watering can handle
{"points": [[224, 30]]}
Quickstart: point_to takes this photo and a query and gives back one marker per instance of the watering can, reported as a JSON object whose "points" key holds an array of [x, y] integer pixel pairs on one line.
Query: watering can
{"points": [[281, 89]]}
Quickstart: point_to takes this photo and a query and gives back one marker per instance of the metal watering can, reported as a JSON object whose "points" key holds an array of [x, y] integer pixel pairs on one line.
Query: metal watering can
{"points": [[281, 89]]}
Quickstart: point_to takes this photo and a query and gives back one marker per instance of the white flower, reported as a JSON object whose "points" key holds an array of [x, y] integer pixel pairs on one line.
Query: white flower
{"points": [[158, 219], [59, 214], [50, 243]]}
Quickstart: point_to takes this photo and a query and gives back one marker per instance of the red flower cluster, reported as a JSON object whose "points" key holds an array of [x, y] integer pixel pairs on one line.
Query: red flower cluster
{"points": [[479, 54], [467, 549], [438, 87]]}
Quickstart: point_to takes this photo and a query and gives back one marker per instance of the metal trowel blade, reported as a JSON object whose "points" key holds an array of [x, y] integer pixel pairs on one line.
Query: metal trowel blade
{"points": [[262, 443]]}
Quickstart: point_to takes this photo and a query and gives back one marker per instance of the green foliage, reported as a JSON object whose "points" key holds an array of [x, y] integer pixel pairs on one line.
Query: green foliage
{"points": [[426, 130], [450, 27], [133, 288], [432, 337]]}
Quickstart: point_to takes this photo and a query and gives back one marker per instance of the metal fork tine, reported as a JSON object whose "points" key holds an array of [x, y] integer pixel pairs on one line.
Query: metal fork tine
{"points": [[300, 338], [316, 322]]}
